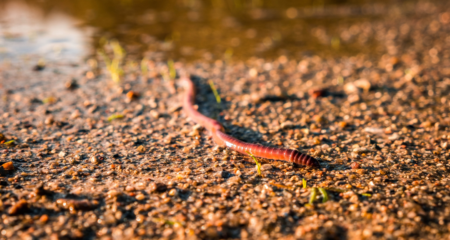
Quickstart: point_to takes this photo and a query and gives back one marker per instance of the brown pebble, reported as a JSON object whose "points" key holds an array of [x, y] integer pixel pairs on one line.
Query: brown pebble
{"points": [[18, 208], [157, 187], [343, 124], [8, 166], [317, 93], [96, 159], [71, 84], [141, 149], [140, 197], [355, 165], [44, 218], [49, 120], [132, 95]]}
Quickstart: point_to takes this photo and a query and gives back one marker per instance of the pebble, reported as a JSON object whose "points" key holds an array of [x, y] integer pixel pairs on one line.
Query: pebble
{"points": [[19, 208], [9, 166]]}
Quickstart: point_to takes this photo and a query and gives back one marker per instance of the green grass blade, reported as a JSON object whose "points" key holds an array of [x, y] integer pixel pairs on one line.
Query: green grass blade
{"points": [[115, 116], [119, 52], [172, 71], [216, 94], [9, 143], [324, 194], [304, 183], [258, 165], [313, 195], [144, 66]]}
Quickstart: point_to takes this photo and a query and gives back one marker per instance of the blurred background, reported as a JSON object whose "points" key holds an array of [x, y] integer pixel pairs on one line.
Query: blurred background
{"points": [[189, 30]]}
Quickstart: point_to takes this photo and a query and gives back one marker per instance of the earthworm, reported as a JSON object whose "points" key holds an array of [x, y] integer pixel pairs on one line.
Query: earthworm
{"points": [[222, 139]]}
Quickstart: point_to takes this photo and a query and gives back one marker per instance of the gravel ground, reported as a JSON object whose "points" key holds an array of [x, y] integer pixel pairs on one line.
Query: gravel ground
{"points": [[83, 157]]}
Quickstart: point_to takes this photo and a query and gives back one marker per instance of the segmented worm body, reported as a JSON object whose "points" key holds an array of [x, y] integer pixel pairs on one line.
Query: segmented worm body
{"points": [[222, 139]]}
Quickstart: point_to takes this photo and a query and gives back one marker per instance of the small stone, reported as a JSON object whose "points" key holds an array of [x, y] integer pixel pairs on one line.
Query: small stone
{"points": [[172, 192], [222, 174], [253, 72], [211, 233], [131, 95], [43, 218], [318, 92], [62, 154], [287, 125], [49, 120], [113, 193], [140, 197], [157, 187], [235, 180], [18, 208], [141, 149], [316, 141], [71, 84], [355, 165], [96, 159], [354, 199], [76, 114], [9, 166], [363, 84], [155, 114], [266, 167]]}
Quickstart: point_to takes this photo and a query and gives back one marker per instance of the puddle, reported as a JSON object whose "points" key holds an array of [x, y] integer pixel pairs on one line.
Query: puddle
{"points": [[26, 32], [199, 29]]}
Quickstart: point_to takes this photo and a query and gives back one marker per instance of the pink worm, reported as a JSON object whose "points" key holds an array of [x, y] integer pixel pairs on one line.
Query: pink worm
{"points": [[222, 139]]}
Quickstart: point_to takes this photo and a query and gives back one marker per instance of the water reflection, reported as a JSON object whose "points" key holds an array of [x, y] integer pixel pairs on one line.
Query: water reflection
{"points": [[26, 32], [221, 29]]}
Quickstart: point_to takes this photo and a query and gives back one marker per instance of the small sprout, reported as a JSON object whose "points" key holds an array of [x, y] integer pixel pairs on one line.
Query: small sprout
{"points": [[228, 53], [119, 52], [216, 94], [313, 195], [258, 165], [114, 66], [115, 116], [10, 143], [366, 194], [49, 100], [335, 43], [144, 66], [304, 183], [340, 80], [324, 194], [172, 71]]}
